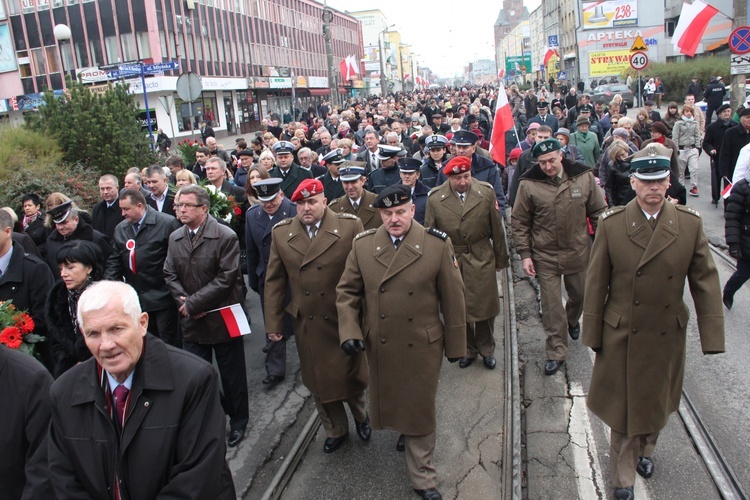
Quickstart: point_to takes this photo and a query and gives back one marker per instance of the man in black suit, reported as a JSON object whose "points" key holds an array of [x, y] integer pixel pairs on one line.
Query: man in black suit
{"points": [[206, 131], [107, 212], [652, 113], [369, 155], [161, 199], [216, 176], [332, 186], [199, 169], [286, 169], [304, 156], [544, 118]]}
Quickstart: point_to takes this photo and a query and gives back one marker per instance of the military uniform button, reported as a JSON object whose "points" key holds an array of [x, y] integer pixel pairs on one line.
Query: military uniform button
{"points": [[638, 273], [307, 294], [319, 268], [382, 341], [310, 317], [637, 302], [635, 330], [411, 292], [411, 319], [382, 290], [382, 316], [322, 293], [303, 268]]}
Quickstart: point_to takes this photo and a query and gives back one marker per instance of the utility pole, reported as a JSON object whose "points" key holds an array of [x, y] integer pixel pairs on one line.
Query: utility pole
{"points": [[738, 81], [382, 63], [327, 18]]}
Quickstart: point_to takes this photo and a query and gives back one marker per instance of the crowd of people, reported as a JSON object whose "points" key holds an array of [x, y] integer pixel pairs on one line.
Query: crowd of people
{"points": [[340, 220]]}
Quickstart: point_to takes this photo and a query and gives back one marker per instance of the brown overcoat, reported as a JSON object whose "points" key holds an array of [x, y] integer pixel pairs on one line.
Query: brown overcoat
{"points": [[312, 269], [478, 238], [400, 295], [367, 213], [634, 311]]}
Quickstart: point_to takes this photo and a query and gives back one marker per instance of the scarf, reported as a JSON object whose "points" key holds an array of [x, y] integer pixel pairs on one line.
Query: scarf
{"points": [[73, 296], [660, 140], [29, 219], [198, 233]]}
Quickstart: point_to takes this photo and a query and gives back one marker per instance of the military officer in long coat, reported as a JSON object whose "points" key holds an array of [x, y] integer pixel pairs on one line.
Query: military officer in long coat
{"points": [[307, 255], [403, 263], [331, 180], [291, 173], [259, 221], [555, 198], [467, 210], [357, 200], [634, 316], [408, 169]]}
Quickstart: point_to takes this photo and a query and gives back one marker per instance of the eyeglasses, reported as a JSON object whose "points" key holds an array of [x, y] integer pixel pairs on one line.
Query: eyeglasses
{"points": [[187, 205]]}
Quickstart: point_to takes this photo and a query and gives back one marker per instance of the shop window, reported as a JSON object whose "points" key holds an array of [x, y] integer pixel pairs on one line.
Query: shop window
{"points": [[210, 110]]}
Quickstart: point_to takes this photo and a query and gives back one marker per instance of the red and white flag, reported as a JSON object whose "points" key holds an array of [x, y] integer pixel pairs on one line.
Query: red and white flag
{"points": [[727, 190], [549, 52], [693, 22], [353, 64], [501, 73], [235, 320], [346, 72], [503, 123]]}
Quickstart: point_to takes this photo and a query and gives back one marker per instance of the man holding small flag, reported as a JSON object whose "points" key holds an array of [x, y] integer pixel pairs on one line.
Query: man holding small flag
{"points": [[202, 272]]}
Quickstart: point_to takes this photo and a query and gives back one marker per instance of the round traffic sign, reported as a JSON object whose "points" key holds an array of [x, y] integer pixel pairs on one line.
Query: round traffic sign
{"points": [[638, 60], [189, 86], [739, 40]]}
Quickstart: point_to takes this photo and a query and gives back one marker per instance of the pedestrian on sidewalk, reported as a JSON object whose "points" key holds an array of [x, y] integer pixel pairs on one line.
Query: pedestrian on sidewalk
{"points": [[635, 317]]}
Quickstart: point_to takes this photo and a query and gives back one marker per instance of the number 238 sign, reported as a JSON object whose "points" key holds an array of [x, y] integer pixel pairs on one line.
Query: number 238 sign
{"points": [[638, 61], [610, 14]]}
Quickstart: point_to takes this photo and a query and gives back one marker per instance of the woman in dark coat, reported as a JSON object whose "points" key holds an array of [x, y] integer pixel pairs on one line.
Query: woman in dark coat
{"points": [[737, 233], [80, 265], [617, 188], [33, 220]]}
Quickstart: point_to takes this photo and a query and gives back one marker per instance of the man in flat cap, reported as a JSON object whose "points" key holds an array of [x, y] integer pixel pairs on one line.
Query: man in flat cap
{"points": [[635, 317], [549, 221], [387, 174], [290, 173], [466, 210], [331, 180], [261, 217], [408, 169], [403, 263], [436, 155], [68, 226], [544, 118], [482, 169], [357, 200], [712, 143], [307, 252]]}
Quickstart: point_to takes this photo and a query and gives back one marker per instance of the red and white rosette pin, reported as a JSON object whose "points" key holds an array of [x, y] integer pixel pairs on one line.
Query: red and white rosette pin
{"points": [[130, 245]]}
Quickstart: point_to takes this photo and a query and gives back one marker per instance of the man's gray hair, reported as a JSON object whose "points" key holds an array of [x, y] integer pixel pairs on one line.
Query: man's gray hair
{"points": [[153, 170], [201, 195], [303, 151], [98, 296], [216, 159], [110, 178], [6, 220]]}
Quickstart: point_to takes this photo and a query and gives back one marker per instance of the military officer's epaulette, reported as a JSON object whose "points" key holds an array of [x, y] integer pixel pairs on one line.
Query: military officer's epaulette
{"points": [[683, 208], [487, 184], [437, 232], [284, 222], [346, 216], [612, 211], [365, 233], [434, 190]]}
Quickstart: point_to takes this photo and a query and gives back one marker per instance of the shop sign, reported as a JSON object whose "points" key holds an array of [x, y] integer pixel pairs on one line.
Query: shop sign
{"points": [[318, 82], [301, 82], [91, 74], [610, 14], [608, 62], [279, 83]]}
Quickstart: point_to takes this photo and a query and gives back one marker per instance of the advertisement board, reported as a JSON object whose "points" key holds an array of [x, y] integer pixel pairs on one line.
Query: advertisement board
{"points": [[518, 65], [610, 14], [608, 62]]}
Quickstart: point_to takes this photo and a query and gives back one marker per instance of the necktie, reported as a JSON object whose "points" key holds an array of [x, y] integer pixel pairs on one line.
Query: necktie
{"points": [[313, 232], [355, 206], [121, 397], [136, 226], [192, 235], [652, 221], [396, 242], [463, 198]]}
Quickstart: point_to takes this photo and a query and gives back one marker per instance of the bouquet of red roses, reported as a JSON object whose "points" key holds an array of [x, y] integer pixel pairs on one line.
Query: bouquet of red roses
{"points": [[18, 329]]}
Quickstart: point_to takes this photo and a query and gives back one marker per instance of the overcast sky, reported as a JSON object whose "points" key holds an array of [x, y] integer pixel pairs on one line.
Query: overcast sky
{"points": [[445, 34]]}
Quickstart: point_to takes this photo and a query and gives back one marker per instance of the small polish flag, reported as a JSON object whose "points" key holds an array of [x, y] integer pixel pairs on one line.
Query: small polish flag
{"points": [[693, 22], [235, 320], [727, 190], [503, 122]]}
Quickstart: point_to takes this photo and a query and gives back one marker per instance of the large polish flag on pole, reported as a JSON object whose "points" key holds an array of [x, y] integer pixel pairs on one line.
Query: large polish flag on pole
{"points": [[503, 122], [694, 20]]}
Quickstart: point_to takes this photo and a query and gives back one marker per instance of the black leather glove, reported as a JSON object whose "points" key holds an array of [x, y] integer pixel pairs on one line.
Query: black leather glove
{"points": [[453, 360], [735, 254], [352, 346]]}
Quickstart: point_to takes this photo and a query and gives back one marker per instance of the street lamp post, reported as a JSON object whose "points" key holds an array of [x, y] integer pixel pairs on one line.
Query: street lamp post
{"points": [[382, 59], [327, 18], [62, 34]]}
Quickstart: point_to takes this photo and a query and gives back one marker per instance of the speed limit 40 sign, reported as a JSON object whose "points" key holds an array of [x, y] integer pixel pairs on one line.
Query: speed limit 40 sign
{"points": [[638, 60]]}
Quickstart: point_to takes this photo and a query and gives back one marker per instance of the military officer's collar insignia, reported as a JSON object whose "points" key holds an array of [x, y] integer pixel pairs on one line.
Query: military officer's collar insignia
{"points": [[305, 193]]}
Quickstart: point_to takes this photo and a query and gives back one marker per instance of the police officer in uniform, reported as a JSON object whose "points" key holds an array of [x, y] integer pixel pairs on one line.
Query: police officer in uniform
{"points": [[306, 256], [466, 209], [635, 317], [409, 170], [555, 197], [290, 173], [357, 200], [331, 180], [387, 174], [436, 155], [259, 221], [403, 263]]}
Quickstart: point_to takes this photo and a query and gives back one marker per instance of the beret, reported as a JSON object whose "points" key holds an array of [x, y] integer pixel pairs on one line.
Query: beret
{"points": [[457, 165], [546, 146], [307, 188], [393, 196]]}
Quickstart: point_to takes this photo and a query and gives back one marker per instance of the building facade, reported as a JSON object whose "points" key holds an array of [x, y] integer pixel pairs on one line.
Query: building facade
{"points": [[251, 55]]}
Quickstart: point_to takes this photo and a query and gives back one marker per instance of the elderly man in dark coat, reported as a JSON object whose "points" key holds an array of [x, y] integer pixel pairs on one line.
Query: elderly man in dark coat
{"points": [[140, 419], [635, 317], [307, 253], [202, 272], [24, 421], [403, 262], [466, 210], [106, 214]]}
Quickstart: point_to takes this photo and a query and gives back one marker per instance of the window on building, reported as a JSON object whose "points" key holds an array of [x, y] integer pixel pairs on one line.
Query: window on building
{"points": [[37, 61], [110, 45], [24, 64], [52, 59], [14, 7], [95, 47], [210, 111], [144, 47], [163, 44]]}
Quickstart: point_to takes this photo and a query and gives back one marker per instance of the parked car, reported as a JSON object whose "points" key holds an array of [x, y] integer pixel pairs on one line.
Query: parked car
{"points": [[608, 92]]}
